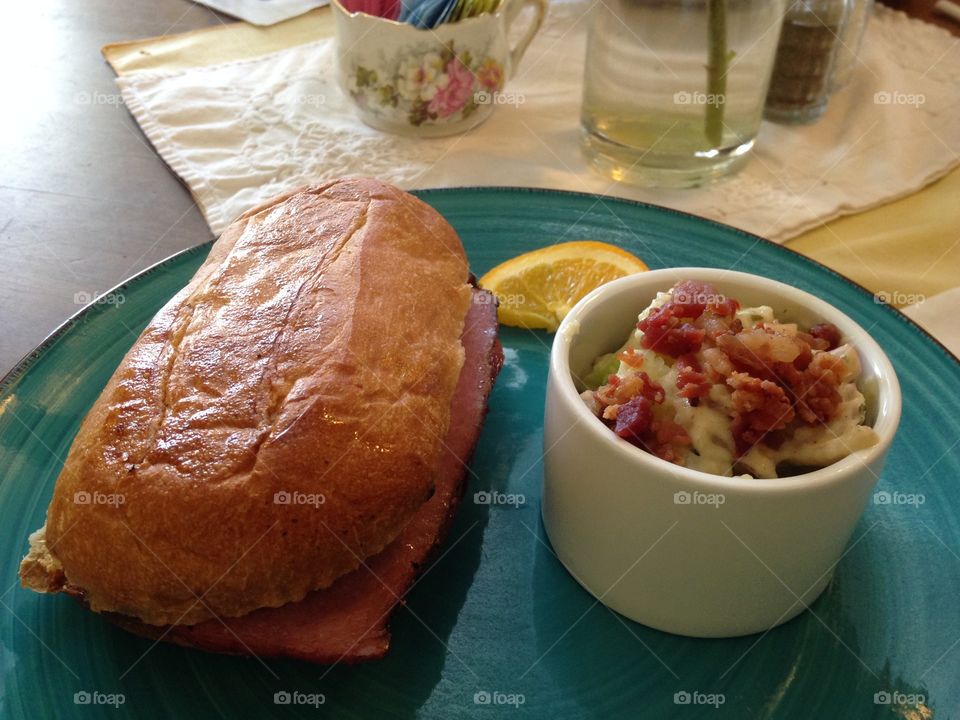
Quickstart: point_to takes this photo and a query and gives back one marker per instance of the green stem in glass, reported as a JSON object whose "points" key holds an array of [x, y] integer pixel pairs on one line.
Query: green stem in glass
{"points": [[717, 64]]}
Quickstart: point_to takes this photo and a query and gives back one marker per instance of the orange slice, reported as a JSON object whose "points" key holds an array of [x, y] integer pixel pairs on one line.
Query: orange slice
{"points": [[537, 289]]}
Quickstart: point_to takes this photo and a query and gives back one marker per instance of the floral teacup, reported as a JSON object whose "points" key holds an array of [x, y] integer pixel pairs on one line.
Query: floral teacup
{"points": [[429, 82]]}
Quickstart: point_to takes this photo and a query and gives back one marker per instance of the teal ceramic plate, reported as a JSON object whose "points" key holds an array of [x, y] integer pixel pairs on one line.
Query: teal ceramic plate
{"points": [[497, 627]]}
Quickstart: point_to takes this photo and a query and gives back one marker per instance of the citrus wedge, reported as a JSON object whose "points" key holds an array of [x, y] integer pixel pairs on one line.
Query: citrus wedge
{"points": [[537, 289]]}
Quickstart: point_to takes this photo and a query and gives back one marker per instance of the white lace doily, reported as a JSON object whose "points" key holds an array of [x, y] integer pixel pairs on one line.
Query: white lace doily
{"points": [[241, 132]]}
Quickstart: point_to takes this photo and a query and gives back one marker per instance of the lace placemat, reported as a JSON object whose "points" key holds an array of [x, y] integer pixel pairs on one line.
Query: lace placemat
{"points": [[241, 132]]}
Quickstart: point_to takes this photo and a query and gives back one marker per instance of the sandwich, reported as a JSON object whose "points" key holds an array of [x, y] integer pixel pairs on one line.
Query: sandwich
{"points": [[284, 447]]}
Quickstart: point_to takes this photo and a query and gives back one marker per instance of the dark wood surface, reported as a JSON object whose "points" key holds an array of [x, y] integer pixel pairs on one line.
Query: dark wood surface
{"points": [[84, 200]]}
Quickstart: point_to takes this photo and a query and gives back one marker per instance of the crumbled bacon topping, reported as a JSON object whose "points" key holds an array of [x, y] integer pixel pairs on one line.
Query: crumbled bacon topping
{"points": [[817, 393], [696, 312], [627, 406], [668, 333], [633, 418], [776, 373], [631, 357], [760, 407], [691, 380], [827, 332]]}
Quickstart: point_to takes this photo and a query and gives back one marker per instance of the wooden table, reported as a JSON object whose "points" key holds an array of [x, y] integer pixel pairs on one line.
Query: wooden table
{"points": [[84, 200]]}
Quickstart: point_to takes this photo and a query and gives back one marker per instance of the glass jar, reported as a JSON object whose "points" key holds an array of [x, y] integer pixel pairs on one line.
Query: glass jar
{"points": [[809, 39], [850, 42], [673, 90]]}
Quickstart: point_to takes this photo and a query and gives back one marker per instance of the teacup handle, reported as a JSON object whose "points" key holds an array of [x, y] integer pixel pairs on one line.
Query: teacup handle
{"points": [[512, 10]]}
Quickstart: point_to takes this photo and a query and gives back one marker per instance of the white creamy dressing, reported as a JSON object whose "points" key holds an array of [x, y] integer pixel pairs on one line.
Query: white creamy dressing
{"points": [[712, 447]]}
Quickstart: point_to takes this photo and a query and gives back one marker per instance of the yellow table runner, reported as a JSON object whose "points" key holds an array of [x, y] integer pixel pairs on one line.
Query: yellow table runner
{"points": [[909, 247]]}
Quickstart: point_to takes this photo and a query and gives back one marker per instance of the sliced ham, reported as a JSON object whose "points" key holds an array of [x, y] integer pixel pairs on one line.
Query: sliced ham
{"points": [[348, 622]]}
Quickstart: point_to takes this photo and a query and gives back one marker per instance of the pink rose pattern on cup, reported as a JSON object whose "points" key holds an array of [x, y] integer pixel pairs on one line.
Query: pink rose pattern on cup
{"points": [[429, 87]]}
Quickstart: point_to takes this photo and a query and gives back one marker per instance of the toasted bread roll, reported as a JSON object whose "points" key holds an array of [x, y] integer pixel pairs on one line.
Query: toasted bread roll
{"points": [[279, 420]]}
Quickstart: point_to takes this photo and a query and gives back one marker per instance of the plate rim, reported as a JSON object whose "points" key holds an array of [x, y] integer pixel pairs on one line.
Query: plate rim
{"points": [[21, 367]]}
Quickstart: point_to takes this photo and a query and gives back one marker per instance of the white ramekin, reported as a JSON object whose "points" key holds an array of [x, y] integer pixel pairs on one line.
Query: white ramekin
{"points": [[681, 550]]}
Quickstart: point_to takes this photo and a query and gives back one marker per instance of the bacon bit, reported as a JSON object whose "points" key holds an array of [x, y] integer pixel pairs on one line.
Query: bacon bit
{"points": [[604, 395], [634, 418], [665, 440], [631, 357], [689, 361], [665, 333], [691, 381], [628, 407], [669, 433], [806, 355], [817, 393], [650, 390], [727, 307], [812, 342], [620, 390], [697, 311], [788, 375], [636, 383], [827, 332], [760, 407]]}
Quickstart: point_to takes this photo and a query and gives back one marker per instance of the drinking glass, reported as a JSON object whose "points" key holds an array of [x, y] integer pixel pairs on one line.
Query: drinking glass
{"points": [[674, 90], [850, 41]]}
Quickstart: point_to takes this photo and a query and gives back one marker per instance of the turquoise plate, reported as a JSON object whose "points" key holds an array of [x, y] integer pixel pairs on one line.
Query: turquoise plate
{"points": [[497, 627]]}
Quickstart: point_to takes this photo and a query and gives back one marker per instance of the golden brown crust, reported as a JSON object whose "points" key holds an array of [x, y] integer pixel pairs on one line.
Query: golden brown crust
{"points": [[314, 353]]}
